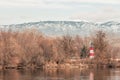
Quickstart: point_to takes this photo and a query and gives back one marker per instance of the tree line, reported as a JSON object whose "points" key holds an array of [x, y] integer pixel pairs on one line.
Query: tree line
{"points": [[32, 48]]}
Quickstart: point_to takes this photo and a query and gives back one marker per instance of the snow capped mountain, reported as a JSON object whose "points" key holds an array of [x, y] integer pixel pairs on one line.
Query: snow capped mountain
{"points": [[66, 27]]}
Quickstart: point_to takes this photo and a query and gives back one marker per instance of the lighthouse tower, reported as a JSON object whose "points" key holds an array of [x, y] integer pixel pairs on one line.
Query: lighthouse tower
{"points": [[91, 53]]}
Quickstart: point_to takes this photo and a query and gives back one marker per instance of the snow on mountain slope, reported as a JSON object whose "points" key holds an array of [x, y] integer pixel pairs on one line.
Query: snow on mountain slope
{"points": [[66, 27]]}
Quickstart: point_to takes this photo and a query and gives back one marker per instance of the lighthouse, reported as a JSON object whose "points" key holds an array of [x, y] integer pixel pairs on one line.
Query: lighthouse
{"points": [[91, 52]]}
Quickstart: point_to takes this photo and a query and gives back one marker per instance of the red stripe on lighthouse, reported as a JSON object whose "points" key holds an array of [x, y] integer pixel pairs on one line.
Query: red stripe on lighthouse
{"points": [[91, 52]]}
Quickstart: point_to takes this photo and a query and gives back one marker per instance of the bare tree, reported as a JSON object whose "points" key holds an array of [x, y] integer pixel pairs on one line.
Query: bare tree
{"points": [[101, 46]]}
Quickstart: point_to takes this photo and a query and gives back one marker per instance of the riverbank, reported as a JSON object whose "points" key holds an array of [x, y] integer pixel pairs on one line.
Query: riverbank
{"points": [[33, 50], [81, 64]]}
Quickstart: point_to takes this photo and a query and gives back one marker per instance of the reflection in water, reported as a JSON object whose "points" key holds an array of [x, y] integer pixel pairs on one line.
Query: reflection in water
{"points": [[11, 74], [91, 76], [67, 74]]}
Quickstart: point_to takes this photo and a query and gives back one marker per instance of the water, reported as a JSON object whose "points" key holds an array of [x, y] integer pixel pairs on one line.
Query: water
{"points": [[75, 74]]}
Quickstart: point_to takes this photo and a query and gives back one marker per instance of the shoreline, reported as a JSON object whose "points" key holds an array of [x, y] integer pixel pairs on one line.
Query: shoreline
{"points": [[68, 65]]}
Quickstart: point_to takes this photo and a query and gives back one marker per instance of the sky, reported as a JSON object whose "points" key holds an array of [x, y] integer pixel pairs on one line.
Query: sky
{"points": [[22, 11]]}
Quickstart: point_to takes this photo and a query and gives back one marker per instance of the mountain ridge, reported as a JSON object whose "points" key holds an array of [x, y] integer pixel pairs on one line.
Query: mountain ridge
{"points": [[66, 27]]}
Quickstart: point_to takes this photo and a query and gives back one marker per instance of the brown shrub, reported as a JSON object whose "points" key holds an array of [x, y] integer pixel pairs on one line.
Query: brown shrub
{"points": [[34, 49]]}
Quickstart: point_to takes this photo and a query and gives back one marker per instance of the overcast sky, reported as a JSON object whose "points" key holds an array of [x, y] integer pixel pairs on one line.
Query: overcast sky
{"points": [[20, 11]]}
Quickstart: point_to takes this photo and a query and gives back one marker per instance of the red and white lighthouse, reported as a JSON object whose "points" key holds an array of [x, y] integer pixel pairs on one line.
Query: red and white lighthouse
{"points": [[91, 53]]}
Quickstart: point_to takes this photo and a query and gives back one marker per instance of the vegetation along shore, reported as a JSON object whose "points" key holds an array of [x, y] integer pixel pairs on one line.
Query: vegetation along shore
{"points": [[30, 49]]}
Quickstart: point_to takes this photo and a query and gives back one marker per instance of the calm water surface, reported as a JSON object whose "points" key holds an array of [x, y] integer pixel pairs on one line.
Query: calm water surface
{"points": [[74, 74]]}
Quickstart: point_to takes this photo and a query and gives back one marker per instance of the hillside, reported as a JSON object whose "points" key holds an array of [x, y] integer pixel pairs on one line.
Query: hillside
{"points": [[56, 28]]}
